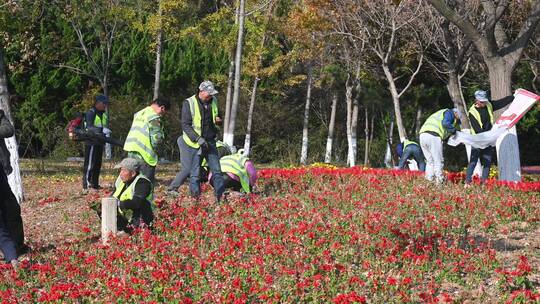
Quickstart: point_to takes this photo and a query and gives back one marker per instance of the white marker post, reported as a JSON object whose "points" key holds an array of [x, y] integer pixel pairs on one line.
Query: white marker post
{"points": [[108, 218]]}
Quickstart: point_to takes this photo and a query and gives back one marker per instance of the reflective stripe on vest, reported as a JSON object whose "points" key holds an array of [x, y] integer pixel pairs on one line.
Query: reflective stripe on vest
{"points": [[128, 193], [235, 164], [474, 112], [407, 142], [196, 119], [138, 138], [434, 124]]}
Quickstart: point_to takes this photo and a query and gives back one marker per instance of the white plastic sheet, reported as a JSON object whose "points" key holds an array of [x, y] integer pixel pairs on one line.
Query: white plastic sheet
{"points": [[480, 141], [523, 101]]}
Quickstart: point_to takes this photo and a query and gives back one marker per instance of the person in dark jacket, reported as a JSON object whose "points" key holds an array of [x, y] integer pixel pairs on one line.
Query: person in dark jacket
{"points": [[9, 207], [135, 196], [481, 118], [409, 149], [200, 118], [96, 121]]}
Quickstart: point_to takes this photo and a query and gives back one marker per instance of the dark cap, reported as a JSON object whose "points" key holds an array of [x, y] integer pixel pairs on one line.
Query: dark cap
{"points": [[102, 98]]}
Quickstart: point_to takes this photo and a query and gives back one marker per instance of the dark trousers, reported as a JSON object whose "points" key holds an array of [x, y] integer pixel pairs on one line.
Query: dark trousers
{"points": [[186, 157], [230, 183], [10, 212], [485, 156], [92, 166], [6, 243], [142, 214], [212, 157], [415, 152]]}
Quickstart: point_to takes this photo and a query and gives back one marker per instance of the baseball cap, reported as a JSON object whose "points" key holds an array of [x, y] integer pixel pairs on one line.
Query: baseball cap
{"points": [[208, 87], [102, 98], [481, 96], [130, 164]]}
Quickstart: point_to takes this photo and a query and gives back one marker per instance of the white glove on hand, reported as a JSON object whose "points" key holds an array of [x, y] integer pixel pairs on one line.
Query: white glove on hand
{"points": [[107, 131]]}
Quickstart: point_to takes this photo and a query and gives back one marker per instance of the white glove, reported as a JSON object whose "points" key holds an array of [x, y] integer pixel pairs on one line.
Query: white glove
{"points": [[107, 131]]}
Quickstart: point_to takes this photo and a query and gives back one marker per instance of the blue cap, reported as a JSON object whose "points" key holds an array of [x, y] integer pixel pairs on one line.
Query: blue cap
{"points": [[481, 96], [102, 98]]}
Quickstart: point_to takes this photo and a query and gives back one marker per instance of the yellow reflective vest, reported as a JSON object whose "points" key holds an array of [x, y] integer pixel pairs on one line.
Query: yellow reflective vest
{"points": [[196, 119], [100, 122], [434, 124], [128, 193], [473, 111], [235, 164], [407, 142], [139, 137]]}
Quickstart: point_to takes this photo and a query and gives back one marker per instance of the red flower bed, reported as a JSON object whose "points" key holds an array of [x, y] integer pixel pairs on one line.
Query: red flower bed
{"points": [[323, 235]]}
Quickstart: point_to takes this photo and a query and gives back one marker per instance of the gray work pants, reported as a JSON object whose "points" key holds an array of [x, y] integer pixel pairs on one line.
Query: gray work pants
{"points": [[186, 158]]}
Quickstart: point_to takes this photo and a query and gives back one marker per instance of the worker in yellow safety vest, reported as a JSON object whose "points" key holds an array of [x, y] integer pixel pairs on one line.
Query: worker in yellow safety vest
{"points": [[96, 121], [145, 135], [239, 173], [409, 149], [134, 193], [200, 120], [481, 118], [437, 128]]}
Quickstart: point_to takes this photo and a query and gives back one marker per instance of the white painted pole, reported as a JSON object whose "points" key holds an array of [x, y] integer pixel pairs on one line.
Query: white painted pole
{"points": [[108, 218]]}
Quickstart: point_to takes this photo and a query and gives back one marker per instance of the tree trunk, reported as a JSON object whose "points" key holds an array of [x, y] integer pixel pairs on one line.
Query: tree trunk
{"points": [[366, 131], [395, 100], [159, 48], [454, 90], [371, 132], [418, 123], [388, 159], [247, 141], [229, 137], [354, 136], [228, 97], [330, 139], [157, 76], [105, 88], [230, 82], [305, 140], [500, 79], [349, 102], [15, 181]]}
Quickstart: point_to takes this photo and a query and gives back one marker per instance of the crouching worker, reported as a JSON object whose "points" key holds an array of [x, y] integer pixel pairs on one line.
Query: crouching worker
{"points": [[135, 196], [239, 173], [409, 149]]}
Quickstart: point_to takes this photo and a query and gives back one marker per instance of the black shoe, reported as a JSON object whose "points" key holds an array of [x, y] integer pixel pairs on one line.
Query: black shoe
{"points": [[23, 249]]}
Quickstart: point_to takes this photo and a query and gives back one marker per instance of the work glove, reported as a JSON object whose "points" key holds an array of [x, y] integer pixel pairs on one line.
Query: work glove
{"points": [[202, 142], [106, 131]]}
